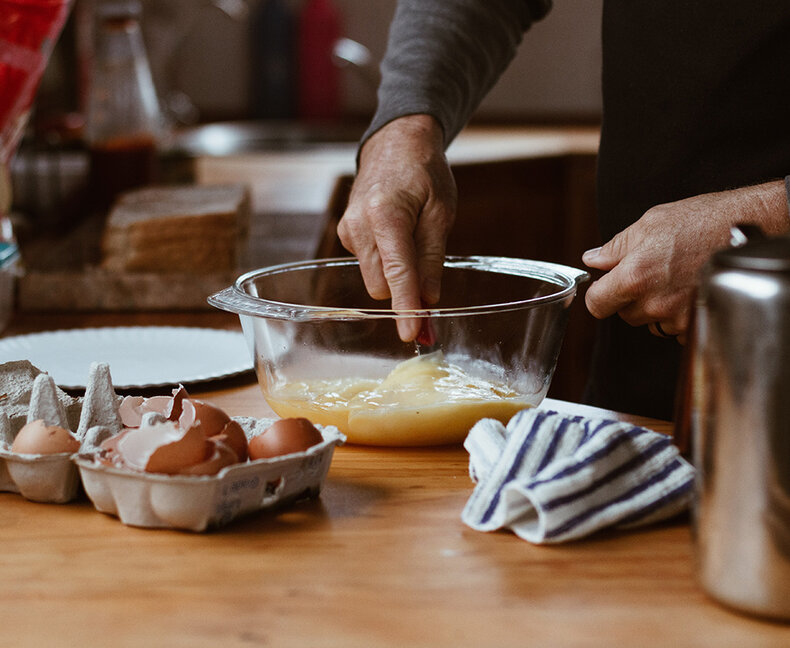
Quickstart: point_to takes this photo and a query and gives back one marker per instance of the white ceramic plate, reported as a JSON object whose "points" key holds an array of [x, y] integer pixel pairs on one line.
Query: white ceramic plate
{"points": [[139, 356]]}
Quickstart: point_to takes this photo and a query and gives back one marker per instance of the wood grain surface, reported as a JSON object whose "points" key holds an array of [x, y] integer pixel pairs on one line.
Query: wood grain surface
{"points": [[381, 558]]}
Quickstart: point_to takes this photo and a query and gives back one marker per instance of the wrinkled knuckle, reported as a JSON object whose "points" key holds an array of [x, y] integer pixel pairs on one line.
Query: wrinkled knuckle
{"points": [[344, 232], [432, 252], [351, 233], [656, 212], [653, 312], [379, 290], [377, 203], [400, 208], [667, 309], [593, 304], [619, 245], [396, 273], [636, 280]]}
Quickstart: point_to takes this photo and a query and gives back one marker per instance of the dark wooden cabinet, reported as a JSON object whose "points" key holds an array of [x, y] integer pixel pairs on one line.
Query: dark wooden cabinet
{"points": [[542, 209]]}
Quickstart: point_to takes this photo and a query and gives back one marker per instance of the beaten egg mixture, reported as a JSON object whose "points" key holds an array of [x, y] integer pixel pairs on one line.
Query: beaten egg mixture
{"points": [[423, 401]]}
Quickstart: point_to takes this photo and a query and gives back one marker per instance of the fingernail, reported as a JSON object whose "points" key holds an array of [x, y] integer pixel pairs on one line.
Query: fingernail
{"points": [[408, 329], [591, 254]]}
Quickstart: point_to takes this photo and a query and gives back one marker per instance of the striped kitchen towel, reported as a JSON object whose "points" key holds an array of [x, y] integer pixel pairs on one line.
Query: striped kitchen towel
{"points": [[551, 478]]}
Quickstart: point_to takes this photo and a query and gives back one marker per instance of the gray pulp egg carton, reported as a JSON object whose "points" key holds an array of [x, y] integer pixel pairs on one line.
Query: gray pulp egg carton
{"points": [[196, 503], [30, 394], [188, 502]]}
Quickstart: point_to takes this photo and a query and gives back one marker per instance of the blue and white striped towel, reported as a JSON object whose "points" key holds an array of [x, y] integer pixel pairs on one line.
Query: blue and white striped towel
{"points": [[551, 478]]}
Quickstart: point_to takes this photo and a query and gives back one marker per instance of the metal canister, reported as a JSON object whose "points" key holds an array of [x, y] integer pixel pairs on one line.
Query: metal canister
{"points": [[741, 426]]}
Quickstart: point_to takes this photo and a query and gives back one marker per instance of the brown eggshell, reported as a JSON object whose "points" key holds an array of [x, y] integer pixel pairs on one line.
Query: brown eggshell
{"points": [[163, 448], [213, 422], [209, 419], [160, 404], [108, 450], [179, 396], [221, 455], [132, 408], [188, 416], [37, 437], [284, 437], [130, 412], [233, 435]]}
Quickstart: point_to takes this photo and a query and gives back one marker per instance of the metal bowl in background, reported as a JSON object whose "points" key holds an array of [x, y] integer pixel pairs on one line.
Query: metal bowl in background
{"points": [[235, 137], [325, 350]]}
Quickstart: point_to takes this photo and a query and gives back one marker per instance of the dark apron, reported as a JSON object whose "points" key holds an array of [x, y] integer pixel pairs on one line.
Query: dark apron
{"points": [[696, 97]]}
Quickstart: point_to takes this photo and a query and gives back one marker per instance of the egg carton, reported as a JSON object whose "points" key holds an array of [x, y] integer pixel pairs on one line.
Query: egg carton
{"points": [[200, 502], [30, 394], [188, 502]]}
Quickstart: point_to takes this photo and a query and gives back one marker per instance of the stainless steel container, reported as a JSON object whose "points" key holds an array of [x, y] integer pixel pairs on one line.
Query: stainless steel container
{"points": [[741, 427]]}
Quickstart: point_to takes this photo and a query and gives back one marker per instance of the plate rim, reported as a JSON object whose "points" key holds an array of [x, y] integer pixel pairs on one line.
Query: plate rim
{"points": [[187, 380]]}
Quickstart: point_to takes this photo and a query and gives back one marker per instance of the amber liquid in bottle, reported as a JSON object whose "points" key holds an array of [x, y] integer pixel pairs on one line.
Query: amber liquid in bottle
{"points": [[124, 118], [120, 164]]}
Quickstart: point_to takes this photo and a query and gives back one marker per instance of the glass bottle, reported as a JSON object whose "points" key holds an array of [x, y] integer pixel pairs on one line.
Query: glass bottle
{"points": [[124, 121]]}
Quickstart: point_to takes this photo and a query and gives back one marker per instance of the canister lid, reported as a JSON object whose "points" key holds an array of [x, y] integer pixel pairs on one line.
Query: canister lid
{"points": [[763, 254]]}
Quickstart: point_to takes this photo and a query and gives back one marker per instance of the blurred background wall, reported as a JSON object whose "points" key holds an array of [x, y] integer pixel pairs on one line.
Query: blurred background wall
{"points": [[202, 48]]}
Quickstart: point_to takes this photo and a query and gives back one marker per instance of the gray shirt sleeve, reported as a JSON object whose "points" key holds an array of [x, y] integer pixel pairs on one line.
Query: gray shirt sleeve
{"points": [[443, 56]]}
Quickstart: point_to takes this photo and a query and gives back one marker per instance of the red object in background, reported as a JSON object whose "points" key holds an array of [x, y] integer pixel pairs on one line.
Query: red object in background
{"points": [[319, 78], [28, 32]]}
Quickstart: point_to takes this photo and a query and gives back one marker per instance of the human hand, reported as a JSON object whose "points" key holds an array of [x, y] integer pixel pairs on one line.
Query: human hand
{"points": [[399, 215], [652, 267]]}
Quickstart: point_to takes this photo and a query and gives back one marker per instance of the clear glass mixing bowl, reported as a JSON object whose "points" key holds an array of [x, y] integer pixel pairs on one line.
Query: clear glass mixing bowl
{"points": [[325, 350]]}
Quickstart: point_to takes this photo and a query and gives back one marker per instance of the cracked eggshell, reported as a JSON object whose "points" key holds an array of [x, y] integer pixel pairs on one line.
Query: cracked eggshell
{"points": [[214, 424], [233, 435], [163, 448], [199, 502], [133, 408], [220, 456], [190, 502], [209, 419]]}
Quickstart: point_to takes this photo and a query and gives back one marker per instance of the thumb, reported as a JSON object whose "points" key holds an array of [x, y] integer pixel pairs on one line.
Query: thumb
{"points": [[606, 256]]}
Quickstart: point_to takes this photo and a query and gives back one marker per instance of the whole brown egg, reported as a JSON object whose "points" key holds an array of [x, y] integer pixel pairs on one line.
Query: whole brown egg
{"points": [[284, 436], [37, 437]]}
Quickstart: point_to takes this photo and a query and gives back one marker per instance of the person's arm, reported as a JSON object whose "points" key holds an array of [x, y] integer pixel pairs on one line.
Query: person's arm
{"points": [[442, 57], [652, 267]]}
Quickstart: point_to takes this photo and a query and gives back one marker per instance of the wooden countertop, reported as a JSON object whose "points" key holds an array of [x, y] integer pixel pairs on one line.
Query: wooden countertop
{"points": [[381, 558]]}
